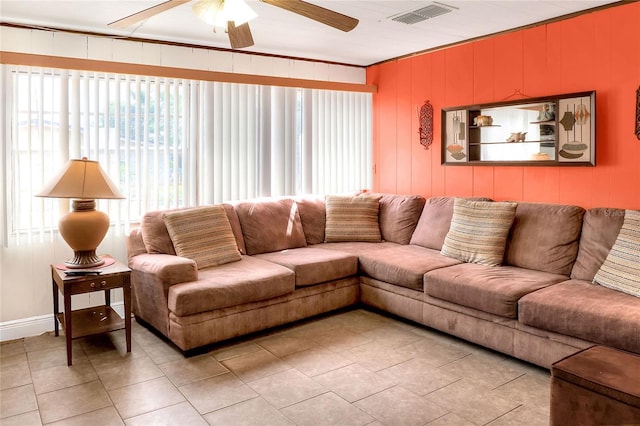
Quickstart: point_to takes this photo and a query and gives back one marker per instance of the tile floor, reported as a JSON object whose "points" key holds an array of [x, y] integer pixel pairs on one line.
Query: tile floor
{"points": [[353, 367]]}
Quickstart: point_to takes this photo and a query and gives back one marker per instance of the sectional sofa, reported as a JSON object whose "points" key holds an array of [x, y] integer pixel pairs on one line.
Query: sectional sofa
{"points": [[281, 260]]}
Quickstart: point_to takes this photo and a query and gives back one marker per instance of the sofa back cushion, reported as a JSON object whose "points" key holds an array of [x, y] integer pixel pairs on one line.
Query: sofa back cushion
{"points": [[312, 214], [544, 237], [399, 216], [270, 225], [203, 234], [135, 243], [156, 237], [154, 233], [352, 218], [434, 222], [600, 228], [479, 231]]}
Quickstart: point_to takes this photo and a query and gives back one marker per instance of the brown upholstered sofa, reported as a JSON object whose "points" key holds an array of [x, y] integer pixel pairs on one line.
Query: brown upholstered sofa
{"points": [[540, 305]]}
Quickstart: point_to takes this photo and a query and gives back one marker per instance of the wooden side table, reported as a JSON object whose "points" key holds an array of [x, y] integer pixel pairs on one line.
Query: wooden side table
{"points": [[597, 386], [97, 319]]}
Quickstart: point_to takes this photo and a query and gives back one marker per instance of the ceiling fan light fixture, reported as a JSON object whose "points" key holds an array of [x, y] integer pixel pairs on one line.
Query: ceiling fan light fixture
{"points": [[218, 12]]}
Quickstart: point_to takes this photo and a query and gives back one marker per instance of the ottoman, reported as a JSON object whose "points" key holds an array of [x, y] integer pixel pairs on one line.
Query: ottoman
{"points": [[596, 386]]}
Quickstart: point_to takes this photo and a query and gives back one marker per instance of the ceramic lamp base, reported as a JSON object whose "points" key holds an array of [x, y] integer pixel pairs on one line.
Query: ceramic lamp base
{"points": [[83, 229], [84, 259]]}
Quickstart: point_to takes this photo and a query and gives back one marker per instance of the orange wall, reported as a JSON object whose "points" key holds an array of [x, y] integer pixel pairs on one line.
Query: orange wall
{"points": [[598, 51]]}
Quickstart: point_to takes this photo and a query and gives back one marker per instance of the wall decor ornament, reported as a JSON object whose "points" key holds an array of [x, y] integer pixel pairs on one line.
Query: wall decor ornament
{"points": [[638, 113], [568, 120], [425, 117]]}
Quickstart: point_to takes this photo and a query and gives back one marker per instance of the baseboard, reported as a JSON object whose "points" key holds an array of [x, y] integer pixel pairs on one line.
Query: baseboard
{"points": [[35, 326]]}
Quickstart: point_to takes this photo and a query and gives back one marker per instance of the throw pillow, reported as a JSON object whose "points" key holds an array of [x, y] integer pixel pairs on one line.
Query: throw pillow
{"points": [[621, 269], [479, 231], [435, 221], [203, 234], [352, 218]]}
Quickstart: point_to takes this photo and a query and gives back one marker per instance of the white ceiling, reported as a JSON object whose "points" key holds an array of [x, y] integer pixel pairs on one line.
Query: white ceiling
{"points": [[279, 32]]}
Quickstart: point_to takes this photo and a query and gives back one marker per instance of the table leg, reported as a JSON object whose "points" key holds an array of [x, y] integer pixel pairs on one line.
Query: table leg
{"points": [[68, 332], [126, 293], [56, 308], [107, 297]]}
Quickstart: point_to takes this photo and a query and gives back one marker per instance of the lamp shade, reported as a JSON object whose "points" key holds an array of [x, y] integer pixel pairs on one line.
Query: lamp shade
{"points": [[81, 179]]}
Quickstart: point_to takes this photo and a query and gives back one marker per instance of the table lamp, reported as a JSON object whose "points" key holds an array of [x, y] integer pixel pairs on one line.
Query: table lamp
{"points": [[84, 227]]}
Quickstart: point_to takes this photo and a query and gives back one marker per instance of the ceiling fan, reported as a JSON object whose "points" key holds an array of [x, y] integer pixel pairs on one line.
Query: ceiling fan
{"points": [[236, 15]]}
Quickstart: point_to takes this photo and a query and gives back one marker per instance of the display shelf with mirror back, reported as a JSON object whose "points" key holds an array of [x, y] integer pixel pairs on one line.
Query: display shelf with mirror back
{"points": [[551, 130]]}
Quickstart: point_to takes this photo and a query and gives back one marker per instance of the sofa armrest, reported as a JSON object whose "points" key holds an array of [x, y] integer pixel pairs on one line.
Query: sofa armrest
{"points": [[151, 277], [166, 268]]}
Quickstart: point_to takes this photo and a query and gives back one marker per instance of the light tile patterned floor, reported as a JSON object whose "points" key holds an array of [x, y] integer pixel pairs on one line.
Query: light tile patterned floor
{"points": [[349, 368]]}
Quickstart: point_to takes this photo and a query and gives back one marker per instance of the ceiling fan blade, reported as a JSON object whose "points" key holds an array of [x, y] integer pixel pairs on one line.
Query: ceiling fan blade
{"points": [[147, 13], [317, 13], [239, 36]]}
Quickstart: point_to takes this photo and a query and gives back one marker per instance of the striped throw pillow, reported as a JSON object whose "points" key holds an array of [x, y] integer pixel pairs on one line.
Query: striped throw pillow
{"points": [[479, 231], [203, 234], [352, 218], [621, 269]]}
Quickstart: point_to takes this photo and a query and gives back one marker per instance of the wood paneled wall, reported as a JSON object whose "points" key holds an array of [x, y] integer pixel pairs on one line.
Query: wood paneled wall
{"points": [[596, 51]]}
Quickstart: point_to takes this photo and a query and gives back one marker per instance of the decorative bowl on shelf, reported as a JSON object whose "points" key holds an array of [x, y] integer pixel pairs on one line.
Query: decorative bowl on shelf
{"points": [[456, 151]]}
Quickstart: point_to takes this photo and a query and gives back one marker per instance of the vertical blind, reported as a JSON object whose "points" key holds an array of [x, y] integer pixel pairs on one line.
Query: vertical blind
{"points": [[173, 142]]}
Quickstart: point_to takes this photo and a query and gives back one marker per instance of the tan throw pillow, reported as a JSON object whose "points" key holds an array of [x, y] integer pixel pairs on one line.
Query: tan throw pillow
{"points": [[352, 218], [435, 221], [203, 234], [621, 269], [479, 231]]}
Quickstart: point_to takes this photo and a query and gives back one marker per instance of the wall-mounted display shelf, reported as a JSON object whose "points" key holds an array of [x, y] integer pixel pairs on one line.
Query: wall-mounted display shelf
{"points": [[551, 130]]}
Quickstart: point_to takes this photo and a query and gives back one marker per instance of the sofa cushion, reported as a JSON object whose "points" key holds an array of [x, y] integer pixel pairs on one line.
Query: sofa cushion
{"points": [[435, 221], [312, 215], [621, 269], [202, 234], [352, 218], [554, 231], [399, 216], [487, 288], [235, 227], [403, 265], [587, 311], [248, 280], [156, 237], [358, 248], [314, 265], [600, 228], [270, 225], [479, 230]]}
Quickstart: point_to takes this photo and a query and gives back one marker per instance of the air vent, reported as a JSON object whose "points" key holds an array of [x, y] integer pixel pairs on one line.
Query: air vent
{"points": [[422, 14]]}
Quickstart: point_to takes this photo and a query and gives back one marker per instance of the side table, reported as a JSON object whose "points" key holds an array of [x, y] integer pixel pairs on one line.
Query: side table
{"points": [[597, 386], [96, 319]]}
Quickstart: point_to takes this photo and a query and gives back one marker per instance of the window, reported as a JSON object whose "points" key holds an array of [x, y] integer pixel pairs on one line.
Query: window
{"points": [[172, 142]]}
